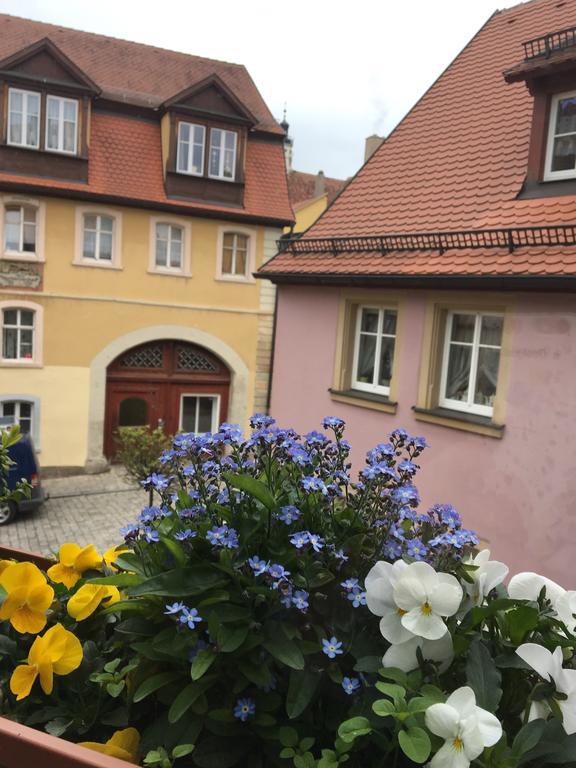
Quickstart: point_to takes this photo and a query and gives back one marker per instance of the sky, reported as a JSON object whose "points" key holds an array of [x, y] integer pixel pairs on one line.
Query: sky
{"points": [[344, 70]]}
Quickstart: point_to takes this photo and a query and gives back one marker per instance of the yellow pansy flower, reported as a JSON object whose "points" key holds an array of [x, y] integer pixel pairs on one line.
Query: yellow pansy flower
{"points": [[85, 601], [112, 553], [123, 744], [57, 652], [73, 561], [28, 597], [4, 564]]}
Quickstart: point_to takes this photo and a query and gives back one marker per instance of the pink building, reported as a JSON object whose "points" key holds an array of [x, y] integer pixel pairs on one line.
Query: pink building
{"points": [[437, 293]]}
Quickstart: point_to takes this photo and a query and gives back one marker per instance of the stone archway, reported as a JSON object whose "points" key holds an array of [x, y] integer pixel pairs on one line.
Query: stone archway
{"points": [[237, 406]]}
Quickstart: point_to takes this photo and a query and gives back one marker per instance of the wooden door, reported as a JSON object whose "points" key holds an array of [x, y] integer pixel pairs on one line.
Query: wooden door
{"points": [[133, 404]]}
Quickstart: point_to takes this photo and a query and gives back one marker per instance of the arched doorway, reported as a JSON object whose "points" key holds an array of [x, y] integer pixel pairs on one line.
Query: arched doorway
{"points": [[174, 384]]}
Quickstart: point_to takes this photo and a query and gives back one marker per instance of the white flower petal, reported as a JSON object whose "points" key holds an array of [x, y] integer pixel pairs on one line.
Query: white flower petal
{"points": [[463, 701], [403, 655], [443, 720], [392, 628], [539, 710], [446, 597], [482, 557], [565, 607], [539, 658], [426, 625], [379, 597], [471, 738], [568, 709], [441, 650], [382, 570], [409, 592], [528, 585], [494, 573], [449, 757], [489, 726]]}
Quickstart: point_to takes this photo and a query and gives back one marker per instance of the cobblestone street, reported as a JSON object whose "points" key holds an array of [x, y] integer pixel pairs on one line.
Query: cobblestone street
{"points": [[86, 509]]}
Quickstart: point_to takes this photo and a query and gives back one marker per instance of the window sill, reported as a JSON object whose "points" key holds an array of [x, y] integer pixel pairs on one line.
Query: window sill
{"points": [[17, 256], [468, 422], [96, 264], [234, 279], [364, 400], [20, 364], [169, 273]]}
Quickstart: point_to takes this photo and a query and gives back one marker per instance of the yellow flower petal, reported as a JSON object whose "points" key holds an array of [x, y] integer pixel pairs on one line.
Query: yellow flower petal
{"points": [[25, 619], [124, 744], [68, 553], [88, 559], [21, 575], [22, 680], [88, 598], [15, 599], [40, 598], [107, 749], [111, 554], [63, 574], [46, 672], [4, 564], [71, 657]]}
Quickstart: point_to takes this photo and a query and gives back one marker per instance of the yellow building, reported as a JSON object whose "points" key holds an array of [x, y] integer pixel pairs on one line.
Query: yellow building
{"points": [[139, 191], [310, 195]]}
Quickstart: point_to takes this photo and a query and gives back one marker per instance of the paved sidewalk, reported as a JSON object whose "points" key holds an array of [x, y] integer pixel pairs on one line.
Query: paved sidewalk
{"points": [[86, 509]]}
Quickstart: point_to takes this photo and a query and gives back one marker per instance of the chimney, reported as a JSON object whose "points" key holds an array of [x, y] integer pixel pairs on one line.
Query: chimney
{"points": [[319, 184], [371, 145]]}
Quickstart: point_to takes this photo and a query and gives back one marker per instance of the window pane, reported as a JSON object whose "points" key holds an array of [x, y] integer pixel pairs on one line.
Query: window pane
{"points": [[53, 108], [176, 234], [10, 316], [106, 223], [105, 246], [386, 360], [29, 240], [161, 252], [389, 325], [33, 104], [487, 377], [15, 128], [566, 116], [215, 140], [26, 317], [188, 420], [52, 137], [240, 262], [10, 343], [162, 231], [206, 406], [229, 140], [26, 343], [12, 237], [13, 215], [184, 132], [228, 240], [370, 320], [366, 359], [32, 131], [89, 249], [70, 111], [491, 332], [25, 410], [242, 242], [175, 253], [16, 101], [183, 148], [25, 425], [458, 376], [8, 408], [89, 221], [463, 328], [197, 152], [564, 153], [69, 137], [133, 412], [29, 215], [227, 261]]}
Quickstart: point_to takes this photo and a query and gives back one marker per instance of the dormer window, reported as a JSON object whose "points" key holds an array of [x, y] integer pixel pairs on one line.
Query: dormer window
{"points": [[23, 118], [222, 154], [561, 148], [191, 138], [61, 124]]}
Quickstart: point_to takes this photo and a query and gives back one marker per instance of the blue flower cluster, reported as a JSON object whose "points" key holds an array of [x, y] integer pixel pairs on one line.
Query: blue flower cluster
{"points": [[187, 616]]}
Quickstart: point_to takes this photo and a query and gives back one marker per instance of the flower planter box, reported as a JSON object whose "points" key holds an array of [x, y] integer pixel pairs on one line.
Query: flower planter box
{"points": [[21, 746]]}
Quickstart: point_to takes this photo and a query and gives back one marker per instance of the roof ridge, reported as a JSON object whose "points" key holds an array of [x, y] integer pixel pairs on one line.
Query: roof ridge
{"points": [[62, 27]]}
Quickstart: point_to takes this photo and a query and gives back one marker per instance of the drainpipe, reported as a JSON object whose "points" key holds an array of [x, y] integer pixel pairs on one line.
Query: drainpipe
{"points": [[272, 351]]}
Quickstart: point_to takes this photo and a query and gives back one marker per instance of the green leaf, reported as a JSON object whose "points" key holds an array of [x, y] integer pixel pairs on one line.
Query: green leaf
{"points": [[521, 620], [320, 578], [154, 683], [287, 752], [252, 487], [130, 562], [180, 582], [112, 666], [392, 673], [288, 737], [304, 761], [351, 729], [218, 752], [306, 743], [8, 647], [301, 690], [285, 651], [528, 737], [202, 663], [259, 674], [483, 677], [231, 638], [181, 750], [383, 708], [58, 726], [368, 664], [115, 689], [176, 550], [434, 693], [119, 580], [187, 697], [420, 704], [554, 747], [395, 692], [415, 743]]}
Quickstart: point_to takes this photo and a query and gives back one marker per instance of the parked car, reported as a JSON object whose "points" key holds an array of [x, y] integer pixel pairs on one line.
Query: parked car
{"points": [[25, 467]]}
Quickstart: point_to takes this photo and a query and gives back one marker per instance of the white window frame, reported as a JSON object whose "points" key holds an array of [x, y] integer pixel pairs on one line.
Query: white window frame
{"points": [[376, 389], [215, 412], [37, 339], [185, 270], [189, 171], [469, 406], [251, 234], [220, 174], [60, 148], [34, 402], [23, 202], [116, 260], [549, 174], [25, 95]]}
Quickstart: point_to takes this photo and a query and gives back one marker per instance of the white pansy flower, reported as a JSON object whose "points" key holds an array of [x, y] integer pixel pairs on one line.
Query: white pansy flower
{"points": [[549, 667], [488, 574], [379, 586], [466, 728], [404, 655], [426, 597], [528, 585]]}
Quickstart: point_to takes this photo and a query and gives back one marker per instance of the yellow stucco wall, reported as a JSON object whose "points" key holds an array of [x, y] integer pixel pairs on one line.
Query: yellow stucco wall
{"points": [[87, 308], [306, 214]]}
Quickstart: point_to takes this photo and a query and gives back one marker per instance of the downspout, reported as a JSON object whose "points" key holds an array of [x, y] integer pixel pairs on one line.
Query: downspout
{"points": [[272, 352]]}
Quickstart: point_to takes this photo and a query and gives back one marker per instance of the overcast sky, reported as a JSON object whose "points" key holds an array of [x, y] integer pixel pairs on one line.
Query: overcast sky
{"points": [[344, 69]]}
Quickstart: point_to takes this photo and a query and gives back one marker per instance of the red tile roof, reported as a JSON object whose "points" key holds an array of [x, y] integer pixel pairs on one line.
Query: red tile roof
{"points": [[125, 159], [456, 162], [126, 163], [302, 187], [132, 72]]}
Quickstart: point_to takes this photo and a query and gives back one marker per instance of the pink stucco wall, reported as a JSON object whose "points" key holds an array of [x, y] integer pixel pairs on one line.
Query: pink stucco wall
{"points": [[519, 493]]}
